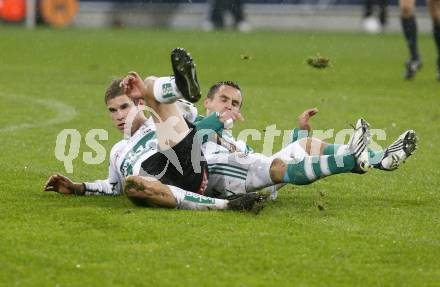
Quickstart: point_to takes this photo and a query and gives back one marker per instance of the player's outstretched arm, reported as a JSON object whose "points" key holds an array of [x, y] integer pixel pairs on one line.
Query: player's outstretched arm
{"points": [[62, 184], [303, 119]]}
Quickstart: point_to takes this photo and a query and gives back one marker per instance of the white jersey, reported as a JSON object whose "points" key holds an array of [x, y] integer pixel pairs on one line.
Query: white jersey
{"points": [[225, 143], [126, 158], [232, 165]]}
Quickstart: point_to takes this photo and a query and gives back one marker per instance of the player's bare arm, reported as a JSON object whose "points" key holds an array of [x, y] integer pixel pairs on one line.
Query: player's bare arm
{"points": [[303, 119], [62, 184]]}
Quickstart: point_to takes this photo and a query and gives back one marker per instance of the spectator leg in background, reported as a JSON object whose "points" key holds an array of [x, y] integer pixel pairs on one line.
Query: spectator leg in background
{"points": [[409, 26], [383, 13], [216, 13]]}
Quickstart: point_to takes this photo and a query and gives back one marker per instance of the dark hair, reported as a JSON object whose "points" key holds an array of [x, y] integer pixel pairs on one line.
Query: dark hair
{"points": [[214, 88], [114, 90]]}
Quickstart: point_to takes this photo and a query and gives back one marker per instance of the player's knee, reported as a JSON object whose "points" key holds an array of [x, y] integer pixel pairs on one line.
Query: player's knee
{"points": [[406, 10], [277, 170]]}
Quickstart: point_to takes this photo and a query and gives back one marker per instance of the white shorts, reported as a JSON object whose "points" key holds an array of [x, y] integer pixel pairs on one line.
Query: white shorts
{"points": [[228, 172], [291, 151]]}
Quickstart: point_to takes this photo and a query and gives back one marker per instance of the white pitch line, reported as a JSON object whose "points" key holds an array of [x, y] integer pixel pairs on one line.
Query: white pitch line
{"points": [[65, 113]]}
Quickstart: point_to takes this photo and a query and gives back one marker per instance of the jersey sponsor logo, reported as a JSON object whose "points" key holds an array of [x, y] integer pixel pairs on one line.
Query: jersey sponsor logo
{"points": [[139, 149]]}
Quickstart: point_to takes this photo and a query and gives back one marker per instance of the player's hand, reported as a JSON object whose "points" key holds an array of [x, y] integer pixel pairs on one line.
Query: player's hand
{"points": [[230, 114], [134, 86], [303, 119], [228, 118], [61, 184]]}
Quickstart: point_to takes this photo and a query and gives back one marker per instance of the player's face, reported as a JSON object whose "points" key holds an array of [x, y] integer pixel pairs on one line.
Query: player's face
{"points": [[226, 98], [119, 109]]}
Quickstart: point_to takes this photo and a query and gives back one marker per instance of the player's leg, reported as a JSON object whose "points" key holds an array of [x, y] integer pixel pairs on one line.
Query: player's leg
{"points": [[374, 157], [263, 172], [389, 159], [249, 172], [297, 150], [368, 8], [236, 8], [183, 84], [434, 9], [383, 13], [313, 146], [409, 27], [259, 172], [217, 9], [312, 168], [171, 127], [152, 193], [161, 94], [149, 192]]}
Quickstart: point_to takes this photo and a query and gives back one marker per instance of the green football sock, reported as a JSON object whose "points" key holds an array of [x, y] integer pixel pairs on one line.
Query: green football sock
{"points": [[374, 157], [312, 168], [331, 149]]}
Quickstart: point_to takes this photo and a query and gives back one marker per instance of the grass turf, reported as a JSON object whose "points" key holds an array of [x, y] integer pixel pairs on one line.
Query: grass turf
{"points": [[380, 229]]}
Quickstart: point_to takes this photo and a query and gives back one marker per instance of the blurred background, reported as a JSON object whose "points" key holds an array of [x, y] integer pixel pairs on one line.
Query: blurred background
{"points": [[371, 16]]}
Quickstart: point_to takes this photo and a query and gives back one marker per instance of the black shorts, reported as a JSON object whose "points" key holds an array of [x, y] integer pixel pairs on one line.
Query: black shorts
{"points": [[162, 165]]}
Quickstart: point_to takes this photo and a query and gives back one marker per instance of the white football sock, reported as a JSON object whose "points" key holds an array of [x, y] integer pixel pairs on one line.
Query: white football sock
{"points": [[194, 201], [166, 91]]}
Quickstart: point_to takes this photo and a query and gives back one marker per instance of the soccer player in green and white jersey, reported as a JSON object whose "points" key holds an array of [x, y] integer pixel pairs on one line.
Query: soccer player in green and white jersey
{"points": [[252, 171], [228, 177]]}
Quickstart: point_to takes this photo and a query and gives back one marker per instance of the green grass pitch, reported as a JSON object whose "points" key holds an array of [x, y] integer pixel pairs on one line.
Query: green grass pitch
{"points": [[378, 229]]}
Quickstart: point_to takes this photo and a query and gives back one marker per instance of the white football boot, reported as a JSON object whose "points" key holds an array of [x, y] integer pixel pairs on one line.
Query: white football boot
{"points": [[358, 146], [399, 151]]}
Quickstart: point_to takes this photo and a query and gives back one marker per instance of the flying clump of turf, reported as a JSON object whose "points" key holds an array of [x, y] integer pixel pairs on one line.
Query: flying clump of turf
{"points": [[318, 62]]}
